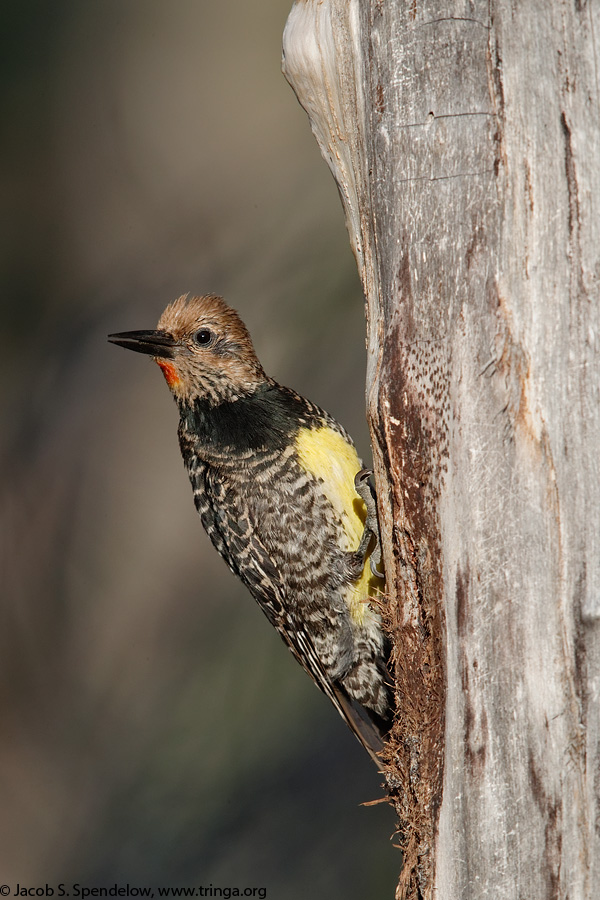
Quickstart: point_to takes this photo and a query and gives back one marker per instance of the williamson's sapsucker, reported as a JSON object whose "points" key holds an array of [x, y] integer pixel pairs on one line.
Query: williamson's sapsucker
{"points": [[273, 481]]}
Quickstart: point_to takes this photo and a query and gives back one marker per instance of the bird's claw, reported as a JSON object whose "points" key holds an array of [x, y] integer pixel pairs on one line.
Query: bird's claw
{"points": [[365, 488]]}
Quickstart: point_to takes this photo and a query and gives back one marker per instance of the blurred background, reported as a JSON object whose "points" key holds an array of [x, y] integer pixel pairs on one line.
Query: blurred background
{"points": [[155, 730]]}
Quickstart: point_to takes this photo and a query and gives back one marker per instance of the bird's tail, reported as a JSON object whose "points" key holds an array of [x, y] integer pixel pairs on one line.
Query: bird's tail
{"points": [[370, 729]]}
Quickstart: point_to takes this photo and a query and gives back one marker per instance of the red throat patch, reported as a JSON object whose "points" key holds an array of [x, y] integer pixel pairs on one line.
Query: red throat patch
{"points": [[169, 371]]}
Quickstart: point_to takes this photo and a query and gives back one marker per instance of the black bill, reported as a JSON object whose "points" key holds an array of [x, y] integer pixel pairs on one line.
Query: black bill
{"points": [[154, 343]]}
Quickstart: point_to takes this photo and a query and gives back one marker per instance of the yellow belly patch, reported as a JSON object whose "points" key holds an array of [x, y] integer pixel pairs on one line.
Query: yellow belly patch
{"points": [[327, 455]]}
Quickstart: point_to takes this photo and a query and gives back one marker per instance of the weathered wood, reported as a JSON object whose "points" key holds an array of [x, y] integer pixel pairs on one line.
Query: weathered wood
{"points": [[464, 137]]}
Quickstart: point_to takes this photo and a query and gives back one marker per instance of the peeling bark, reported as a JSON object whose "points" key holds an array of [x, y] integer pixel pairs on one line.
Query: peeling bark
{"points": [[464, 137]]}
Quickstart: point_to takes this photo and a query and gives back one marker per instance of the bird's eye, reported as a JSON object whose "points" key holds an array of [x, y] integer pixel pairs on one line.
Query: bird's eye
{"points": [[203, 337]]}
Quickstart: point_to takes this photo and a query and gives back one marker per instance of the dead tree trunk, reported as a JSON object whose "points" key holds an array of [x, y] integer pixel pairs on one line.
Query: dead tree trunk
{"points": [[464, 138]]}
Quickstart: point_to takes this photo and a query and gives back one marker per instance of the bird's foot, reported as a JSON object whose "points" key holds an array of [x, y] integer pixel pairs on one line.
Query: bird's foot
{"points": [[365, 488]]}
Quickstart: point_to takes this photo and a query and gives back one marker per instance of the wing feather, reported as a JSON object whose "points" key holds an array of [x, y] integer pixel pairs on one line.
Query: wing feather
{"points": [[246, 555]]}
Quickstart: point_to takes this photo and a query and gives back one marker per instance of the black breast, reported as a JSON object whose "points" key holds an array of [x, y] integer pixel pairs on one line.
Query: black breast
{"points": [[267, 420]]}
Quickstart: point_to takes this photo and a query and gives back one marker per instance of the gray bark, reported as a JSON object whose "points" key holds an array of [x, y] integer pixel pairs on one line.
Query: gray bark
{"points": [[464, 138]]}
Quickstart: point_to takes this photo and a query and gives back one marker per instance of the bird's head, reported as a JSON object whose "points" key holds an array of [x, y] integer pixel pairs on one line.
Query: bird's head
{"points": [[203, 348]]}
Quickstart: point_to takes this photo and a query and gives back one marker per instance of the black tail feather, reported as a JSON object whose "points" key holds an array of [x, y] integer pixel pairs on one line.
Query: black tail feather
{"points": [[370, 729]]}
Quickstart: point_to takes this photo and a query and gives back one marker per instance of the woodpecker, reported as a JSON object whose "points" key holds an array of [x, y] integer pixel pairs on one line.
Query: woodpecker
{"points": [[273, 478]]}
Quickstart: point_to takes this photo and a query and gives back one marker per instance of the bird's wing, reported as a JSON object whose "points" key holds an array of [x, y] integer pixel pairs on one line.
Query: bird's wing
{"points": [[248, 558]]}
